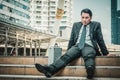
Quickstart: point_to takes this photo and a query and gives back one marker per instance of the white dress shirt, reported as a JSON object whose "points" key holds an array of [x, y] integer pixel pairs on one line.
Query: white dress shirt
{"points": [[87, 39]]}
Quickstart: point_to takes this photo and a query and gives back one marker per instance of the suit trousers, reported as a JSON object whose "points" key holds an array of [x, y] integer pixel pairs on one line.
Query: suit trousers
{"points": [[88, 53]]}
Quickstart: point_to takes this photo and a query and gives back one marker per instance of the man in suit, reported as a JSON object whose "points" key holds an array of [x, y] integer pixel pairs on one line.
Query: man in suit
{"points": [[80, 46]]}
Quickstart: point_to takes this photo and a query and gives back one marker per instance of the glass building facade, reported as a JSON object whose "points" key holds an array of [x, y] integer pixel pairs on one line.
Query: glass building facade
{"points": [[15, 11], [115, 21]]}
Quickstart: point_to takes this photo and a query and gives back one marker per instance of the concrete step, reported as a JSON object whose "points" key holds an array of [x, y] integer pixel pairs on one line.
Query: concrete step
{"points": [[105, 67], [31, 77], [100, 60], [101, 71], [22, 60]]}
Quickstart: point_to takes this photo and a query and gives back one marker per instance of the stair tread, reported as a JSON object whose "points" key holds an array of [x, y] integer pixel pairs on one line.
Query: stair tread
{"points": [[101, 71], [56, 77], [31, 66], [105, 67], [100, 60]]}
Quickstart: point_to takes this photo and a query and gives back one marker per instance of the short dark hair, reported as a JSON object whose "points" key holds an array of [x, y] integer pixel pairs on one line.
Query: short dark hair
{"points": [[86, 10]]}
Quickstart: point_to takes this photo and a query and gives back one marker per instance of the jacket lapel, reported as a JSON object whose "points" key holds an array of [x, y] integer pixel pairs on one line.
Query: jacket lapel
{"points": [[78, 28], [91, 28]]}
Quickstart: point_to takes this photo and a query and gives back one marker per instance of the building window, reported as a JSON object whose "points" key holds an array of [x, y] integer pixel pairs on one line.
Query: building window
{"points": [[66, 2], [53, 13], [19, 13], [6, 17], [2, 16], [10, 9], [52, 3], [38, 11], [39, 7], [52, 17], [38, 17], [27, 1], [38, 2], [1, 6], [63, 22], [52, 7], [7, 0], [60, 33], [39, 22], [25, 7], [12, 19], [52, 22], [65, 12], [64, 17], [5, 8]]}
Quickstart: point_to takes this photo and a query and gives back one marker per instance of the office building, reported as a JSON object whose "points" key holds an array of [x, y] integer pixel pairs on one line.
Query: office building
{"points": [[115, 21], [43, 14], [15, 12]]}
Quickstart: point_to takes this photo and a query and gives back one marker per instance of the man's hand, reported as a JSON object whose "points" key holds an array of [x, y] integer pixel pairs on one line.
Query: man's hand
{"points": [[111, 55]]}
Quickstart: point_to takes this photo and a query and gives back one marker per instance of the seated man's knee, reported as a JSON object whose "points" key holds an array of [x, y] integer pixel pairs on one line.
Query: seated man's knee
{"points": [[89, 56], [66, 58]]}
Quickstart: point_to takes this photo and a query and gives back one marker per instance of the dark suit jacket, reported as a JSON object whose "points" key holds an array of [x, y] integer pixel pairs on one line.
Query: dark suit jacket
{"points": [[95, 36]]}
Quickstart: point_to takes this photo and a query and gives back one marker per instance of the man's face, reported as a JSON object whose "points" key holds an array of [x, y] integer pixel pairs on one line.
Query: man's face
{"points": [[85, 18]]}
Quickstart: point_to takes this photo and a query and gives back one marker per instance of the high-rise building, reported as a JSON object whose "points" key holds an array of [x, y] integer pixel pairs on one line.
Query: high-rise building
{"points": [[43, 14], [16, 12], [115, 22], [118, 25]]}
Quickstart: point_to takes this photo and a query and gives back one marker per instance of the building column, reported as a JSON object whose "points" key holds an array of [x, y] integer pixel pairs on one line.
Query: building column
{"points": [[35, 48], [39, 43], [16, 46], [25, 45], [31, 47], [6, 40]]}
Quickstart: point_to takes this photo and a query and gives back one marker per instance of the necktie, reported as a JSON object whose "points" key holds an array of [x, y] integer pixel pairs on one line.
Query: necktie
{"points": [[82, 39]]}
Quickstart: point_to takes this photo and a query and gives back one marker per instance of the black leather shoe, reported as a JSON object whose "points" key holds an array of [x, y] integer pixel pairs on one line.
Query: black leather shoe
{"points": [[43, 69], [90, 72]]}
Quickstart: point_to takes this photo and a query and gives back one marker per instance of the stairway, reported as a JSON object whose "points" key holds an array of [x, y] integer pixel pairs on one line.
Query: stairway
{"points": [[22, 68]]}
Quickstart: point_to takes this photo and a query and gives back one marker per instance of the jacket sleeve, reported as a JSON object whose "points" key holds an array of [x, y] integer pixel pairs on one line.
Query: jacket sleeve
{"points": [[71, 40], [100, 40]]}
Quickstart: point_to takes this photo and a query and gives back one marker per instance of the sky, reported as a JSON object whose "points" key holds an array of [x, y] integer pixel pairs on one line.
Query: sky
{"points": [[101, 10]]}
